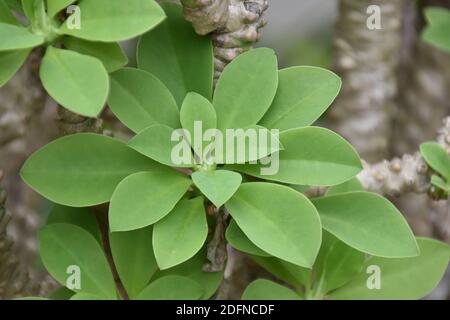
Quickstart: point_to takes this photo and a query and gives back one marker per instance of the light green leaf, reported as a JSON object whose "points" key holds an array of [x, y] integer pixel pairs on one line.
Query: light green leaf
{"points": [[110, 54], [348, 186], [197, 109], [34, 10], [81, 217], [140, 100], [439, 183], [6, 15], [246, 89], [111, 21], [16, 38], [133, 257], [65, 245], [181, 234], [437, 158], [311, 156], [304, 93], [336, 264], [10, 63], [144, 198], [262, 209], [285, 271], [193, 269], [405, 278], [156, 142], [238, 240], [178, 56], [436, 33], [218, 185], [78, 82], [55, 6], [83, 169], [262, 289], [172, 288], [84, 296], [367, 222]]}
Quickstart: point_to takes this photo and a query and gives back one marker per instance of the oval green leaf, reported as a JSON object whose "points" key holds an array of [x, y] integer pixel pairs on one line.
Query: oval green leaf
{"points": [[368, 223], [246, 89], [311, 156], [78, 82], [437, 158], [63, 245], [133, 257], [10, 63], [178, 56], [55, 6], [111, 21], [218, 185], [303, 95], [140, 100], [238, 240], [144, 198], [262, 209], [83, 169], [405, 278], [16, 38], [181, 234]]}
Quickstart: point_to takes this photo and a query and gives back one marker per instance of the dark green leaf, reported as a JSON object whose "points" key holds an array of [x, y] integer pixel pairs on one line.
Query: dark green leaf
{"points": [[10, 63]]}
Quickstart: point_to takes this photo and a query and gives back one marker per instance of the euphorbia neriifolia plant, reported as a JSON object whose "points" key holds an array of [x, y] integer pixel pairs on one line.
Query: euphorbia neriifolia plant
{"points": [[348, 244]]}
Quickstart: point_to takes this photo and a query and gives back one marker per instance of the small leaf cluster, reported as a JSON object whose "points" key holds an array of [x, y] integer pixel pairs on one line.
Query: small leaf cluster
{"points": [[76, 63], [159, 213]]}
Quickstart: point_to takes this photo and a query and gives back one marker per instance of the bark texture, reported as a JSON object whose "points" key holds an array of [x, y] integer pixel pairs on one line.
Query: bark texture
{"points": [[234, 25], [366, 60]]}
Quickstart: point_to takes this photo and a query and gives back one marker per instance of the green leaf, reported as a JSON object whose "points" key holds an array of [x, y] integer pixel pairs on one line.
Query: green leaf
{"points": [[144, 198], [304, 93], [33, 9], [81, 217], [78, 82], [110, 54], [178, 56], [238, 240], [311, 156], [83, 169], [6, 15], [65, 245], [285, 271], [439, 183], [197, 108], [368, 223], [133, 257], [218, 185], [181, 234], [406, 278], [348, 186], [111, 21], [246, 89], [15, 5], [140, 100], [155, 142], [336, 264], [16, 37], [437, 158], [172, 288], [10, 63], [209, 281], [436, 33], [262, 209], [262, 289], [55, 6], [84, 296]]}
